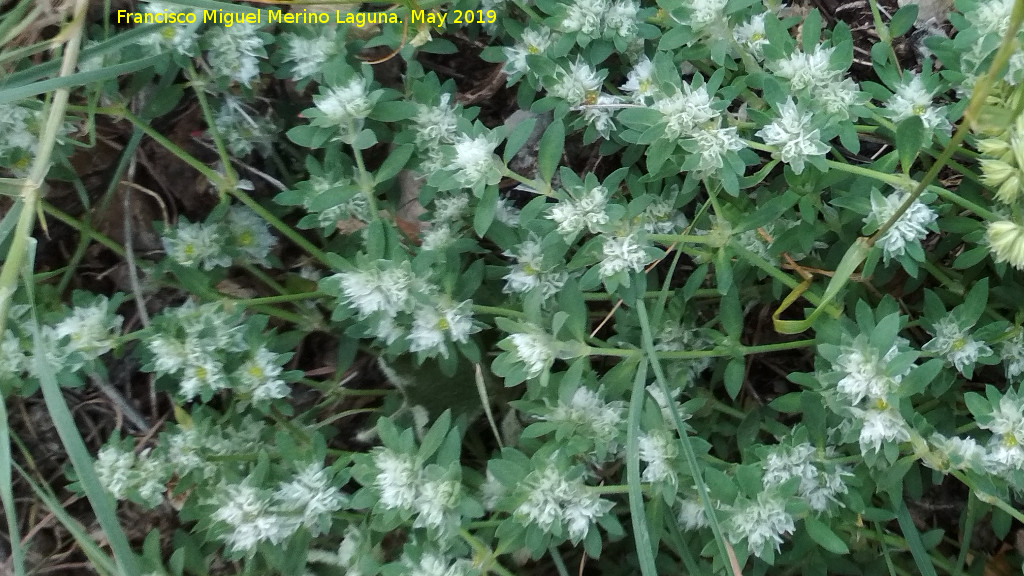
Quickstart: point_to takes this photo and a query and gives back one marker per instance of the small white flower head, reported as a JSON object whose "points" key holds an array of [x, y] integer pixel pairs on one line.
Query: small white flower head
{"points": [[837, 97], [438, 237], [579, 84], [640, 80], [204, 375], [259, 376], [250, 234], [761, 522], [492, 491], [600, 114], [235, 52], [311, 497], [1007, 419], [452, 208], [958, 453], [308, 55], [587, 212], [591, 417], [15, 362], [91, 332], [808, 72], [555, 499], [1006, 241], [819, 483], [473, 161], [692, 515], [881, 425], [1012, 354], [507, 213], [912, 98], [114, 470], [584, 17], [912, 227], [432, 564], [398, 479], [621, 19], [794, 136], [436, 125], [433, 327], [658, 450], [243, 132], [1003, 456], [956, 344], [751, 35], [623, 254], [534, 41], [196, 245], [865, 371], [713, 144], [179, 37], [18, 137], [345, 106], [704, 13], [249, 518], [991, 17], [529, 271], [535, 352], [685, 111], [436, 506], [369, 291]]}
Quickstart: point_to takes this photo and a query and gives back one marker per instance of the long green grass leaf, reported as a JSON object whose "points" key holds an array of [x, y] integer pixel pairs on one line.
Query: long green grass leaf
{"points": [[641, 531], [684, 439], [78, 79], [925, 567], [7, 493]]}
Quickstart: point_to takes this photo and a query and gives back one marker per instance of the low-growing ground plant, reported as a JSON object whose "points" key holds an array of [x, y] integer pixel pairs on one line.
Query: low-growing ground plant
{"points": [[512, 287]]}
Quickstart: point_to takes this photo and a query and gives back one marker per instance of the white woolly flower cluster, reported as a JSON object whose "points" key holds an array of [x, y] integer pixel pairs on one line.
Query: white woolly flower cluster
{"points": [[534, 351], [957, 454], [243, 235], [15, 361], [393, 299], [880, 424], [85, 334], [201, 448], [681, 337], [659, 451], [956, 344], [431, 564], [706, 13], [529, 271], [794, 135], [125, 474], [534, 41], [579, 84], [181, 38], [751, 35], [761, 522], [1006, 422], [686, 111], [248, 515], [911, 228], [588, 211], [913, 98], [306, 55], [405, 485], [590, 417], [602, 18], [243, 132], [640, 81], [435, 126], [1012, 355], [235, 52], [623, 254], [865, 372], [473, 162], [554, 499], [812, 77], [820, 482], [345, 106]]}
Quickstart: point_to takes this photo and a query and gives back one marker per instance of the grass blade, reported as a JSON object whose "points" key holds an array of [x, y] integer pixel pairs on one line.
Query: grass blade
{"points": [[925, 567], [641, 533], [7, 493], [78, 79]]}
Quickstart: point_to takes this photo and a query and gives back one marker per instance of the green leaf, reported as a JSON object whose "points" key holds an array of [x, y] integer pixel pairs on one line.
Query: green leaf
{"points": [[641, 530], [78, 79], [925, 567], [394, 163], [909, 139], [549, 155], [902, 20], [824, 536], [811, 31], [517, 138], [735, 371], [485, 210], [433, 438]]}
